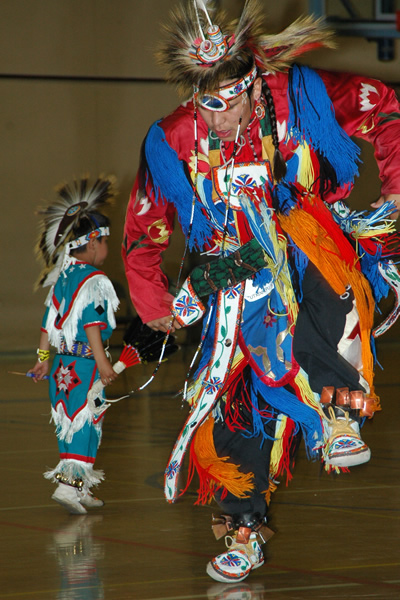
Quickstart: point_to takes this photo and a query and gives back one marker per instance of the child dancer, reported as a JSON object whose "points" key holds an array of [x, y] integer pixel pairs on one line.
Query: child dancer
{"points": [[79, 317]]}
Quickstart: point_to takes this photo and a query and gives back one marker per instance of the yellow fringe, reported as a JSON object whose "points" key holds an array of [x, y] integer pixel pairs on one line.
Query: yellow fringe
{"points": [[193, 392], [237, 359], [385, 228], [307, 394], [305, 172], [277, 449], [321, 249], [283, 282], [220, 470]]}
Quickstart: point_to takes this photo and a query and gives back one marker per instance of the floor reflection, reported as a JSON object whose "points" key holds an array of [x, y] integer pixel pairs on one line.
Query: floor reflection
{"points": [[240, 591], [77, 553]]}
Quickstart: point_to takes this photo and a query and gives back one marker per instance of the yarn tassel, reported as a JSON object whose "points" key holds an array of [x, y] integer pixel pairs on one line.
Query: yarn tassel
{"points": [[281, 450], [170, 181], [312, 118], [215, 472], [333, 261], [304, 391], [272, 487], [304, 415], [305, 173]]}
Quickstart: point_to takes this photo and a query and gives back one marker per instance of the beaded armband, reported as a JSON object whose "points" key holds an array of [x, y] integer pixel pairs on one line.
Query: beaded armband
{"points": [[43, 355]]}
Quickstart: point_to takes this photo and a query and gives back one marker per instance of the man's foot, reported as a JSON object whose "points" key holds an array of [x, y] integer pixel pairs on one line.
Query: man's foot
{"points": [[235, 564], [89, 500], [67, 496], [344, 447]]}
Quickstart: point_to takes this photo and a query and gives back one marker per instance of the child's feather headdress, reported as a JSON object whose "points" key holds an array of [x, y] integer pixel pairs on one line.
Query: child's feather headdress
{"points": [[202, 48], [76, 203]]}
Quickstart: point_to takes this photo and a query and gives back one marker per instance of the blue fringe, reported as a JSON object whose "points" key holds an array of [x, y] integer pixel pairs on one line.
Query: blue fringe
{"points": [[369, 262], [171, 183], [288, 404], [369, 267], [370, 219], [312, 118], [259, 422], [301, 261], [292, 167], [283, 194]]}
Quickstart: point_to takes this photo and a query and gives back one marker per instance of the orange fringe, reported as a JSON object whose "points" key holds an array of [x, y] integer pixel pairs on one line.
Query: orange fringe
{"points": [[215, 472], [271, 489], [326, 255]]}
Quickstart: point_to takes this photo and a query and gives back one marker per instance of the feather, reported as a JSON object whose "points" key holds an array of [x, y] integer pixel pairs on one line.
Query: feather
{"points": [[75, 201], [305, 34], [203, 6], [245, 37]]}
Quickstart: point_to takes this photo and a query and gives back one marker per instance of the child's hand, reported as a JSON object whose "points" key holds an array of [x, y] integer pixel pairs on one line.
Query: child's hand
{"points": [[106, 372], [39, 371]]}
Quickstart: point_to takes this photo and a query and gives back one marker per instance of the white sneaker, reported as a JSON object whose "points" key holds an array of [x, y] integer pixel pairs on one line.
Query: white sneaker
{"points": [[236, 564], [89, 500], [344, 447], [67, 496]]}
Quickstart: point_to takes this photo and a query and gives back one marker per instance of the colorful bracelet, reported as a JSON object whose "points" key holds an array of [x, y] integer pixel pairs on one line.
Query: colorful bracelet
{"points": [[43, 355]]}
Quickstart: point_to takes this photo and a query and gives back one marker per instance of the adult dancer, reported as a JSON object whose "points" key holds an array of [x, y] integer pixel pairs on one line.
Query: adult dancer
{"points": [[256, 165]]}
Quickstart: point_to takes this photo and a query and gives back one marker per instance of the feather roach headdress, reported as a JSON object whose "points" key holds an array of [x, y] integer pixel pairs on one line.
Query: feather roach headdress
{"points": [[202, 48], [76, 205]]}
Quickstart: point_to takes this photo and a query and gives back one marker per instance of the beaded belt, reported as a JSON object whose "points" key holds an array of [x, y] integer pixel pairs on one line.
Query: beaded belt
{"points": [[78, 349]]}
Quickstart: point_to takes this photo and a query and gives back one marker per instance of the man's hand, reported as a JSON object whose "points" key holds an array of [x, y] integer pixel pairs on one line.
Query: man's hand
{"points": [[163, 324], [389, 198]]}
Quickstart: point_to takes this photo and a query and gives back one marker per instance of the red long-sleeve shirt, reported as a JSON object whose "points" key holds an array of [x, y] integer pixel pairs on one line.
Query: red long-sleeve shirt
{"points": [[364, 108]]}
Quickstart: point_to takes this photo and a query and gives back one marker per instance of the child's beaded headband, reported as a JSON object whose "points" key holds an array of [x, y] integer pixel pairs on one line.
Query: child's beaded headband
{"points": [[92, 235], [76, 203]]}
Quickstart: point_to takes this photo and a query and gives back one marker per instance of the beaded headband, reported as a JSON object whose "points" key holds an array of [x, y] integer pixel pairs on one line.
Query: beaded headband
{"points": [[220, 100], [77, 203], [84, 239]]}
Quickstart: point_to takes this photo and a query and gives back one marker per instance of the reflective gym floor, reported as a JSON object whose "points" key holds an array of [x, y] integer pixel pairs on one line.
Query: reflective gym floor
{"points": [[335, 537]]}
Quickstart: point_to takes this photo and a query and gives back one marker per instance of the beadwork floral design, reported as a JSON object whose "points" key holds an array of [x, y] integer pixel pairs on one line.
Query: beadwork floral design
{"points": [[172, 469], [212, 385], [244, 184], [231, 560], [185, 306]]}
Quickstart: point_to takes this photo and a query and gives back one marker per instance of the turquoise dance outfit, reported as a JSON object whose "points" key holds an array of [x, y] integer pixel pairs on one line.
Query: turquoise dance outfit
{"points": [[82, 297]]}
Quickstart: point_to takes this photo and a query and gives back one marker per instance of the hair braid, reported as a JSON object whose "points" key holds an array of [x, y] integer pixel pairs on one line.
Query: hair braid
{"points": [[279, 166]]}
